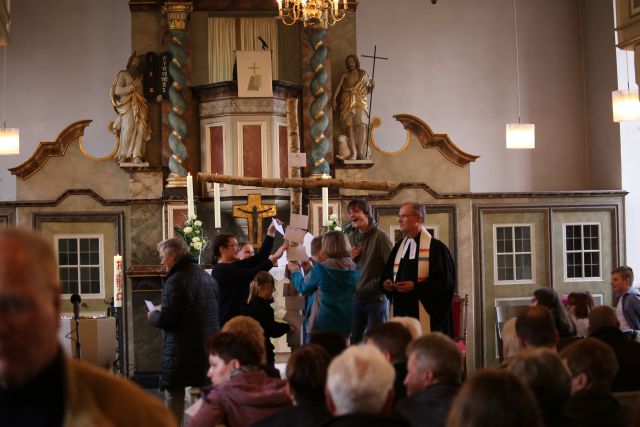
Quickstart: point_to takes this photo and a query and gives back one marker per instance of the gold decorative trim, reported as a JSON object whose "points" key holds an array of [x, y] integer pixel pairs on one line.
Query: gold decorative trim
{"points": [[50, 149], [441, 141], [376, 122], [97, 159]]}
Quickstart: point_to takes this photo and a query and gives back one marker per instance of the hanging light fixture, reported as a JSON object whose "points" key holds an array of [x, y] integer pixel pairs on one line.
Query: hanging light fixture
{"points": [[519, 135], [626, 104], [313, 13], [9, 137]]}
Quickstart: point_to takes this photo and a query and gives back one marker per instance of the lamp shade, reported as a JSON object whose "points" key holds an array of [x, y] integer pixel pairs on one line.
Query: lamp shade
{"points": [[626, 105], [9, 141], [521, 135]]}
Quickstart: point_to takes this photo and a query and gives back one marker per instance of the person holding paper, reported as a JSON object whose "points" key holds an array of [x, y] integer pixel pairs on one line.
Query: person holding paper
{"points": [[188, 315], [234, 275], [420, 269], [370, 250], [330, 286]]}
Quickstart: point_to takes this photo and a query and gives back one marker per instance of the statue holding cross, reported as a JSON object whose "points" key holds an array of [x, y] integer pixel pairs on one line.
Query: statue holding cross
{"points": [[254, 212]]}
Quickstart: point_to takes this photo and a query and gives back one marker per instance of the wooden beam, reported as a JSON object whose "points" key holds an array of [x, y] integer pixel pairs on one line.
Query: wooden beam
{"points": [[298, 182]]}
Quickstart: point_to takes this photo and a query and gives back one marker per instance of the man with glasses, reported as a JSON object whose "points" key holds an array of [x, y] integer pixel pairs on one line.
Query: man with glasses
{"points": [[420, 269], [39, 385]]}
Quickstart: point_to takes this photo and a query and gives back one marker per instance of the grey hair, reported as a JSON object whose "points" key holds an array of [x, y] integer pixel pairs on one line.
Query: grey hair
{"points": [[438, 353], [175, 246], [417, 208], [359, 380]]}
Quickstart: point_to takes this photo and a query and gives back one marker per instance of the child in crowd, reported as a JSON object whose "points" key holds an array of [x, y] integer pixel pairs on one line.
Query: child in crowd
{"points": [[259, 307]]}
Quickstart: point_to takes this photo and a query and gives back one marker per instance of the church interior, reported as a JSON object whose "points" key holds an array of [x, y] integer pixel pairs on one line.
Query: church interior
{"points": [[230, 93]]}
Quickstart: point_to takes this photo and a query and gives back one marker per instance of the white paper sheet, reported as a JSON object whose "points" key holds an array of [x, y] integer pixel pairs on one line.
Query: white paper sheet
{"points": [[278, 226], [149, 305], [297, 253]]}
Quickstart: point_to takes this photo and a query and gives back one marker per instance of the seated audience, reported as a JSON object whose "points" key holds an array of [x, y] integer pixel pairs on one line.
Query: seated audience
{"points": [[260, 300], [535, 328], [330, 286], [241, 394], [549, 298], [592, 365], [332, 342], [579, 305], [392, 340], [545, 374], [411, 323], [494, 398], [307, 375], [628, 306], [604, 325], [434, 372], [360, 389], [39, 384]]}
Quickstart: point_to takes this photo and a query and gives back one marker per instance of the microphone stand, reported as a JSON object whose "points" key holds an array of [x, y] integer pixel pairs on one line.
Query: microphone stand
{"points": [[75, 300]]}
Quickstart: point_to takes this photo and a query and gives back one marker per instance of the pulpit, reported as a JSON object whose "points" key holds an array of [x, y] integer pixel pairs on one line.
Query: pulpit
{"points": [[97, 339], [244, 136]]}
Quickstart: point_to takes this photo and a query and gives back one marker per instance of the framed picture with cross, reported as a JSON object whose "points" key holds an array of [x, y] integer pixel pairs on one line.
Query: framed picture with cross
{"points": [[254, 74], [315, 209]]}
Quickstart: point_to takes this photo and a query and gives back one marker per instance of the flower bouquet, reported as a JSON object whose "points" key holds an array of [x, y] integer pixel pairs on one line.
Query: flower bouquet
{"points": [[333, 224], [193, 234]]}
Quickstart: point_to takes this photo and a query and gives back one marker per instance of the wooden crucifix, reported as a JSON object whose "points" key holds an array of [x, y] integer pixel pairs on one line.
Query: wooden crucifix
{"points": [[254, 212]]}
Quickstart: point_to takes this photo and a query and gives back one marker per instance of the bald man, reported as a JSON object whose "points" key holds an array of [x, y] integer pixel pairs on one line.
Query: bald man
{"points": [[605, 326], [39, 385]]}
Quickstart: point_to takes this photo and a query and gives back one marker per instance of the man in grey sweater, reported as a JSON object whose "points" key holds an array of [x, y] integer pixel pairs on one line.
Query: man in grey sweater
{"points": [[370, 250]]}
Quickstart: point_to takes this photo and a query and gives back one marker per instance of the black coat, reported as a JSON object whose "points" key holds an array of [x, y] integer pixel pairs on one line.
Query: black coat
{"points": [[597, 408], [429, 407], [628, 355], [188, 316], [234, 279], [305, 414], [368, 420], [261, 310], [435, 293]]}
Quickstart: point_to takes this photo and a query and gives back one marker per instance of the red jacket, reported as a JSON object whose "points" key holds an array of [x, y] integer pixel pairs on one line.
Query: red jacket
{"points": [[246, 398]]}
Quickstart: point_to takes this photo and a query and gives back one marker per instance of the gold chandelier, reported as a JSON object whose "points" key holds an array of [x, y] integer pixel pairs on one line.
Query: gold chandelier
{"points": [[313, 13]]}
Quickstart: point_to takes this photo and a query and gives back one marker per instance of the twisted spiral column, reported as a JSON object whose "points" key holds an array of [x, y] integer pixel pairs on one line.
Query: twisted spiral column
{"points": [[177, 14], [320, 145]]}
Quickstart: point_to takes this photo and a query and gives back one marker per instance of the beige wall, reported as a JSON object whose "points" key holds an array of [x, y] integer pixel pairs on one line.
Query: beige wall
{"points": [[62, 58], [453, 65]]}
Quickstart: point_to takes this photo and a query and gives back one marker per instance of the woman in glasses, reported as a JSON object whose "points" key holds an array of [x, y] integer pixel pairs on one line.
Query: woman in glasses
{"points": [[234, 275]]}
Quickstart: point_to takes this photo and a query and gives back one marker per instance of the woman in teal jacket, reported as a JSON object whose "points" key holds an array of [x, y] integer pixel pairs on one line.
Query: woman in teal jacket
{"points": [[330, 286]]}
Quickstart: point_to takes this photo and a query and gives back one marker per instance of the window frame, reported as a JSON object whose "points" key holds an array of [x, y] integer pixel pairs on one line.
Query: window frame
{"points": [[100, 238], [564, 251], [532, 240]]}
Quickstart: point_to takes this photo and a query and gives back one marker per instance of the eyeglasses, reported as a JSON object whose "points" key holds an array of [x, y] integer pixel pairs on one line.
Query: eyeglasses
{"points": [[405, 216], [233, 244]]}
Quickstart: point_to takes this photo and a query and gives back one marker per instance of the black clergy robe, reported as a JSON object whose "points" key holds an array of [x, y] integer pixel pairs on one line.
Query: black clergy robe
{"points": [[435, 293]]}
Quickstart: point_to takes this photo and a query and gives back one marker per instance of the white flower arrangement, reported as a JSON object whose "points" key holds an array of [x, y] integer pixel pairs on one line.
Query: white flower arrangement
{"points": [[193, 234], [333, 224]]}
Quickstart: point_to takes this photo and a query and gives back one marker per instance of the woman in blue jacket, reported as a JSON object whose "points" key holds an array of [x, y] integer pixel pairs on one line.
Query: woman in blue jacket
{"points": [[330, 286]]}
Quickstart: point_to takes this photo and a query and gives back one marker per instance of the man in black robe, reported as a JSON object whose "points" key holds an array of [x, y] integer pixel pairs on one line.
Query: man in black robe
{"points": [[418, 272]]}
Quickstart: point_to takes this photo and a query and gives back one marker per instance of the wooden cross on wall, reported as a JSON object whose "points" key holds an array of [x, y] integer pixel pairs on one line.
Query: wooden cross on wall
{"points": [[254, 212]]}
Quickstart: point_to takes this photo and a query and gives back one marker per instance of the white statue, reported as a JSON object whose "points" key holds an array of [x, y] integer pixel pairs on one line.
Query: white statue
{"points": [[131, 128], [344, 153]]}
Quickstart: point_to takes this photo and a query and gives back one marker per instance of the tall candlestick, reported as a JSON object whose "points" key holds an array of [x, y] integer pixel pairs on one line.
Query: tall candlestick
{"points": [[216, 205], [117, 281], [325, 205], [191, 211]]}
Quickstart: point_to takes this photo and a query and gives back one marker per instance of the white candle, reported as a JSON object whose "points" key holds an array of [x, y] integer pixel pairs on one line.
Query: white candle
{"points": [[117, 281], [191, 211], [216, 204], [325, 205]]}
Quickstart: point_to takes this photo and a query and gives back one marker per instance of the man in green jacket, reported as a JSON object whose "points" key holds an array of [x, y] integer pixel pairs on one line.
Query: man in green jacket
{"points": [[370, 250]]}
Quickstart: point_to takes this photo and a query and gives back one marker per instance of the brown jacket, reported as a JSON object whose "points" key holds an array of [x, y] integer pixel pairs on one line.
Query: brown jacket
{"points": [[97, 398]]}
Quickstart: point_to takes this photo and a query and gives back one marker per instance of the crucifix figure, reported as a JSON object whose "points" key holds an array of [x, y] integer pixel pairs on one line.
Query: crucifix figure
{"points": [[254, 212]]}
